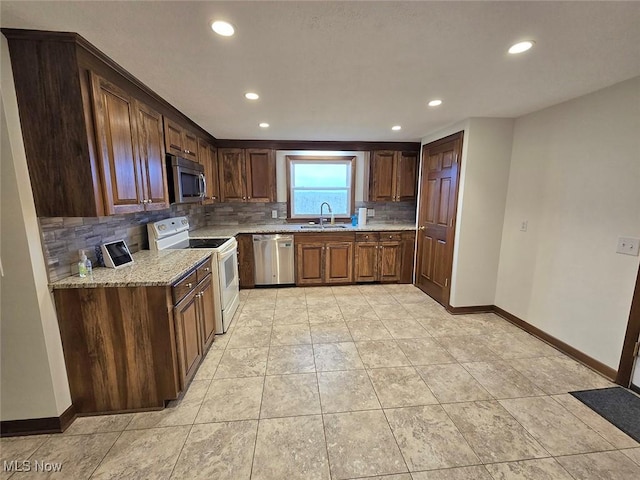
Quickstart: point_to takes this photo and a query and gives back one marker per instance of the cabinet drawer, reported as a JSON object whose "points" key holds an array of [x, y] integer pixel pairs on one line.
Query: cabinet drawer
{"points": [[203, 270], [367, 237], [390, 236], [184, 286]]}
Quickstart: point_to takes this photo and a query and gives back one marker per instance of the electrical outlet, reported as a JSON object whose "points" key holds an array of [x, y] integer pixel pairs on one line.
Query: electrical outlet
{"points": [[274, 213], [524, 225], [628, 246], [371, 212]]}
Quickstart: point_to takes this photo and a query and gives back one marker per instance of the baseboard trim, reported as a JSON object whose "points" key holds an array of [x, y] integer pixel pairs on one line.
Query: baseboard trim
{"points": [[474, 309], [576, 354], [35, 426], [635, 388]]}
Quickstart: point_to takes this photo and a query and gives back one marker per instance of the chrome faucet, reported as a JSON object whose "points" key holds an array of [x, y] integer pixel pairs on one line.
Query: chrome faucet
{"points": [[321, 217]]}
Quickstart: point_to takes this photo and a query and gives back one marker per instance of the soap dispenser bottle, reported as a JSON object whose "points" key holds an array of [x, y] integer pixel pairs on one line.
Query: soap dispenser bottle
{"points": [[82, 264]]}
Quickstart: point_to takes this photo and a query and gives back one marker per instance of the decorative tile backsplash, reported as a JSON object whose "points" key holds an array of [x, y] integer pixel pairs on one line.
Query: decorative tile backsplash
{"points": [[63, 237]]}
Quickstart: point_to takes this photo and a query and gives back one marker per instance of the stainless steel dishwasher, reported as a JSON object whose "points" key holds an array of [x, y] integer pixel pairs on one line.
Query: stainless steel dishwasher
{"points": [[274, 259]]}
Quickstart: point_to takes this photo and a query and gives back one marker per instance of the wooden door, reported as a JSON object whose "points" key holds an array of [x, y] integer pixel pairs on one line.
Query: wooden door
{"points": [[309, 263], [207, 312], [436, 216], [151, 155], [382, 176], [232, 174], [366, 261], [190, 142], [173, 138], [117, 147], [260, 174], [338, 262], [406, 178], [389, 261], [187, 325]]}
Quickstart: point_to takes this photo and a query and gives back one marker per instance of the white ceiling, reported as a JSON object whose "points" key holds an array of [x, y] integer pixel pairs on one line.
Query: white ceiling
{"points": [[351, 70]]}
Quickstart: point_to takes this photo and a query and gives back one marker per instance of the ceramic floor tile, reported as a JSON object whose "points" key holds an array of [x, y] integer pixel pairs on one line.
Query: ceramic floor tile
{"points": [[400, 387], [352, 312], [259, 305], [149, 454], [391, 312], [554, 427], [501, 380], [223, 451], [407, 298], [180, 412], [322, 313], [539, 469], [633, 454], [407, 328], [74, 457], [99, 424], [18, 449], [450, 382], [600, 466], [382, 353], [468, 348], [209, 365], [298, 334], [258, 318], [290, 292], [291, 448], [330, 333], [397, 476], [510, 346], [250, 337], [426, 310], [346, 391], [459, 473], [494, 435], [290, 359], [364, 330], [242, 362], [291, 302], [290, 395], [607, 430], [428, 439], [441, 325], [380, 299], [349, 300], [361, 444], [424, 351], [232, 399], [336, 356], [290, 316]]}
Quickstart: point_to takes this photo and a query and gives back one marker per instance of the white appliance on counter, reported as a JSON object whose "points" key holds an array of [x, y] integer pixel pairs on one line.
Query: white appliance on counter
{"points": [[173, 233]]}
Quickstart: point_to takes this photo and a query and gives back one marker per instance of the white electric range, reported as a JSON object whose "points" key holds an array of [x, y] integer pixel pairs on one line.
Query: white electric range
{"points": [[173, 233]]}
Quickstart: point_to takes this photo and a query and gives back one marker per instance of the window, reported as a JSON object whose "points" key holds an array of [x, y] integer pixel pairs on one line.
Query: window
{"points": [[313, 180]]}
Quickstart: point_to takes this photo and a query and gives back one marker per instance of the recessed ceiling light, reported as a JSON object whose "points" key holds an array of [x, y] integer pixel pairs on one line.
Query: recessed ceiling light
{"points": [[520, 47], [435, 103], [396, 127], [251, 96], [264, 125], [222, 28]]}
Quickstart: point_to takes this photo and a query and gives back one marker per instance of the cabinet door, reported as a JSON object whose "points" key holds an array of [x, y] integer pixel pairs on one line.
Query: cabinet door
{"points": [[117, 147], [246, 268], [260, 174], [173, 138], [406, 176], [190, 142], [366, 262], [338, 262], [232, 174], [382, 176], [389, 261], [309, 263], [407, 255], [151, 154], [208, 158], [187, 325], [207, 311]]}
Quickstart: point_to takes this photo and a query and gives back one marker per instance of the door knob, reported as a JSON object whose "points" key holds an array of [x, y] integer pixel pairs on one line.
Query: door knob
{"points": [[422, 228]]}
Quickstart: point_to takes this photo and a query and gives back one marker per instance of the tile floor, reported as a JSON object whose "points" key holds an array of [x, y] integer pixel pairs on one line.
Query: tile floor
{"points": [[353, 382]]}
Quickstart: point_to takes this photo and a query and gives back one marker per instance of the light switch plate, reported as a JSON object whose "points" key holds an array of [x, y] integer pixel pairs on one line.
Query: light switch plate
{"points": [[628, 246], [371, 212], [274, 213], [524, 225]]}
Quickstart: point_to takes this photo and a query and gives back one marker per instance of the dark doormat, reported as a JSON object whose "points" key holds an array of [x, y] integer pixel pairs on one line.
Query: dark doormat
{"points": [[617, 404]]}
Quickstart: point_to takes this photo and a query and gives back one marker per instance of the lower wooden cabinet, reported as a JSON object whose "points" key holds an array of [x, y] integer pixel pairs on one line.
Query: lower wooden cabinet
{"points": [[378, 257], [338, 262], [246, 267], [188, 336], [309, 263], [324, 259]]}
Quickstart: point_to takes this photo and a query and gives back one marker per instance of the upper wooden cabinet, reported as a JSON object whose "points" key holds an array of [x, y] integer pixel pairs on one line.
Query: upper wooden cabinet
{"points": [[180, 141], [247, 175], [130, 150], [392, 176], [208, 158]]}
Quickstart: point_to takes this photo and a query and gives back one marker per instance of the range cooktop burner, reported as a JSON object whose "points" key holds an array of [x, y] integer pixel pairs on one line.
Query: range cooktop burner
{"points": [[206, 242]]}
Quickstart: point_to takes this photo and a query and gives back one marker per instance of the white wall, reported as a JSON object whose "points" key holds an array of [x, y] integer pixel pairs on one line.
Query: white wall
{"points": [[484, 173], [575, 177], [33, 375], [636, 372]]}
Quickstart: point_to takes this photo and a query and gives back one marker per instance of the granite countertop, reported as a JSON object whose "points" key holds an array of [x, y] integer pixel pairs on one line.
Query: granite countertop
{"points": [[150, 268], [233, 230]]}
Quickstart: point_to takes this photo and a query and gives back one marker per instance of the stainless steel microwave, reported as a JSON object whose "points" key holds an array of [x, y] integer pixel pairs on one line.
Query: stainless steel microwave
{"points": [[186, 180]]}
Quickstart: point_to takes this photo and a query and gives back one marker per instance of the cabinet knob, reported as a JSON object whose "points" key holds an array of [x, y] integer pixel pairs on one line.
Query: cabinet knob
{"points": [[244, 198], [188, 285], [249, 198], [213, 198], [206, 269]]}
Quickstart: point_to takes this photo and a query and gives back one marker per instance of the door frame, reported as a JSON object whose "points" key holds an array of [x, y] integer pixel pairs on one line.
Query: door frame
{"points": [[454, 136], [627, 360]]}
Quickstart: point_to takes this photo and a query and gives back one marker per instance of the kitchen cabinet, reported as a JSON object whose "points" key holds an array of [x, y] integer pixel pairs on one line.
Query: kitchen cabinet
{"points": [[247, 174], [378, 257], [208, 158], [393, 176], [179, 141], [130, 150], [408, 254], [324, 259], [246, 267]]}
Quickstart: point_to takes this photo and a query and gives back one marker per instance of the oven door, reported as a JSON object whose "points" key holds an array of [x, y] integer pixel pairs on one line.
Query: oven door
{"points": [[229, 281]]}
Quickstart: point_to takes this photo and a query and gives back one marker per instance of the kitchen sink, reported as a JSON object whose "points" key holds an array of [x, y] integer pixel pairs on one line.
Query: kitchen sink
{"points": [[325, 227]]}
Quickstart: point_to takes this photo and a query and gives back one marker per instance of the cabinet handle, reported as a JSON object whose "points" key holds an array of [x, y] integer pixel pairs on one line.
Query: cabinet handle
{"points": [[213, 198], [188, 285], [206, 269]]}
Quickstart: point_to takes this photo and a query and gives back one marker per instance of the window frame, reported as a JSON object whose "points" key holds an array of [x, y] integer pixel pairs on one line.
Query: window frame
{"points": [[319, 159]]}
